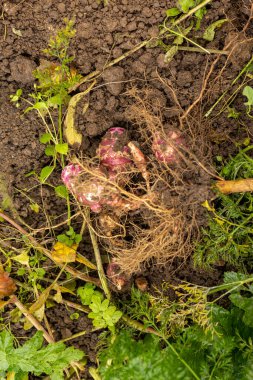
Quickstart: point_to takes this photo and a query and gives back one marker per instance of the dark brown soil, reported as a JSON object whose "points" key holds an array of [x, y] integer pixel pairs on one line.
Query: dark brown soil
{"points": [[102, 34]]}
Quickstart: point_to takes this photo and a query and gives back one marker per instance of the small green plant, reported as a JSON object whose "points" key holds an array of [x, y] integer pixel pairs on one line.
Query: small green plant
{"points": [[248, 92], [34, 358], [229, 235], [70, 237], [54, 80], [103, 314], [170, 30], [166, 316]]}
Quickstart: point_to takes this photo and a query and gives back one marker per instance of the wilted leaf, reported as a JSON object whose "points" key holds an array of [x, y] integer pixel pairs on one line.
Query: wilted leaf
{"points": [[23, 258], [207, 206], [16, 31], [72, 135], [63, 254], [209, 33]]}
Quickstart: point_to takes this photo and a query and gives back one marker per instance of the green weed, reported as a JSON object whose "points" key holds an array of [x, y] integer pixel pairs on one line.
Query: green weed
{"points": [[54, 79], [229, 235], [195, 353], [172, 37], [103, 314], [33, 358]]}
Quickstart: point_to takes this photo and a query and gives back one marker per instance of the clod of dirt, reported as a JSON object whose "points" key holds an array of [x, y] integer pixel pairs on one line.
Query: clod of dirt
{"points": [[112, 77], [22, 69]]}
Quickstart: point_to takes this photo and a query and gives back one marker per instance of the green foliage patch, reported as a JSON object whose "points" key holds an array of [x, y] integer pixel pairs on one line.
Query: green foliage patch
{"points": [[33, 358], [229, 235]]}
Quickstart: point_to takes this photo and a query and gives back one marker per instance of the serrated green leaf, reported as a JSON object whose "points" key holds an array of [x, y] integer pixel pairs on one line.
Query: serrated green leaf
{"points": [[104, 305], [172, 12], [45, 173], [62, 148], [35, 359], [45, 138], [209, 33], [85, 293], [61, 191]]}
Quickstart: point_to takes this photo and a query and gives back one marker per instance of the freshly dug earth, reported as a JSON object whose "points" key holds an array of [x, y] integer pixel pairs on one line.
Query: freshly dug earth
{"points": [[102, 34]]}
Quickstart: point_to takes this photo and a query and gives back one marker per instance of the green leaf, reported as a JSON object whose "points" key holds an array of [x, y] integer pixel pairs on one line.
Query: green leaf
{"points": [[78, 238], [186, 5], [50, 151], [61, 191], [45, 173], [245, 304], [172, 12], [209, 33], [35, 359], [234, 277], [104, 305], [56, 100], [45, 138], [40, 106], [85, 293], [62, 148], [248, 92]]}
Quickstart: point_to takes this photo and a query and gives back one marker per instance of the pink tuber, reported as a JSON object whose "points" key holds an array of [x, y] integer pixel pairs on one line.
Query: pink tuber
{"points": [[117, 277], [90, 190], [166, 147], [113, 151], [94, 190]]}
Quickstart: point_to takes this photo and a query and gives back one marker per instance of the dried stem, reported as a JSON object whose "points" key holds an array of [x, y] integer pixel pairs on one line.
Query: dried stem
{"points": [[100, 268], [31, 319]]}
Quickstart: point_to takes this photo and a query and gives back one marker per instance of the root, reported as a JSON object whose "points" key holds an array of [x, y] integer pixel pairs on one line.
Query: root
{"points": [[162, 241]]}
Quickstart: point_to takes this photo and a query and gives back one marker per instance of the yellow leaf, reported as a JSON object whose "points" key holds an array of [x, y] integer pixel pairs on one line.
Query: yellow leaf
{"points": [[23, 258], [81, 259], [38, 314], [3, 304], [73, 137], [63, 254], [57, 297], [207, 206]]}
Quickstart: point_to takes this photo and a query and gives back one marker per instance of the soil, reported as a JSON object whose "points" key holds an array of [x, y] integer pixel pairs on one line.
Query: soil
{"points": [[104, 33]]}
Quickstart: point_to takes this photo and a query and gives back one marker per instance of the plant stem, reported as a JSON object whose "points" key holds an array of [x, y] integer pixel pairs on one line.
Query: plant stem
{"points": [[182, 360], [198, 50], [77, 335], [31, 319], [100, 269]]}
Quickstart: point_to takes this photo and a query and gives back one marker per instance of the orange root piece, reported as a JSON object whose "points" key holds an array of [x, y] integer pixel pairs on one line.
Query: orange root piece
{"points": [[236, 186]]}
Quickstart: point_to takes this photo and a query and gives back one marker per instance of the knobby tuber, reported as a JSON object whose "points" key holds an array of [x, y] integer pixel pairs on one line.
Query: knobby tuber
{"points": [[7, 285], [165, 148]]}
